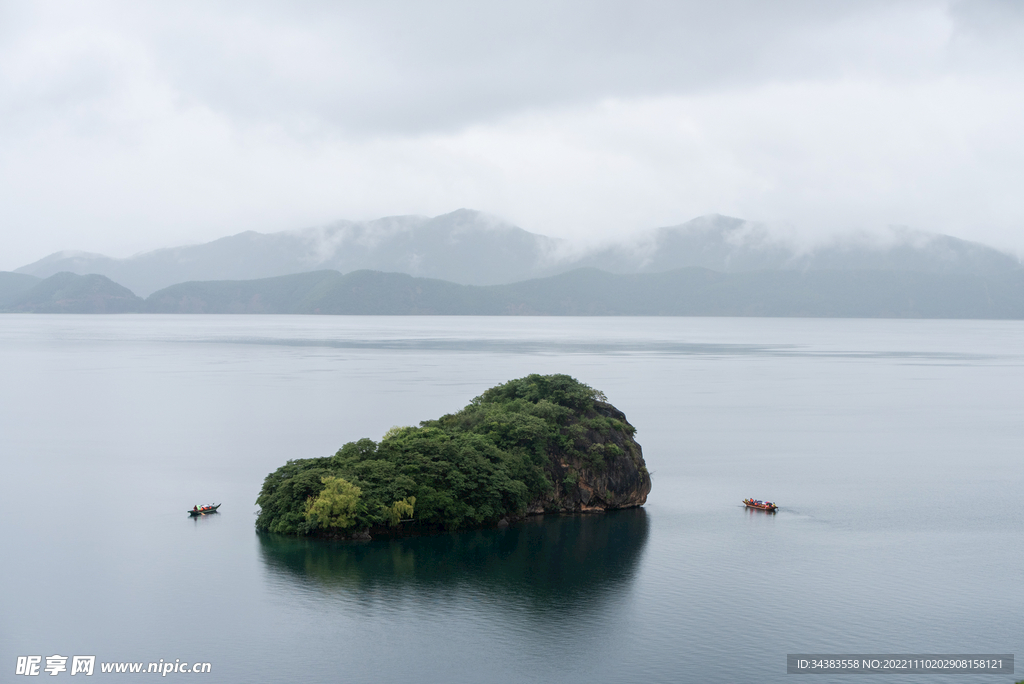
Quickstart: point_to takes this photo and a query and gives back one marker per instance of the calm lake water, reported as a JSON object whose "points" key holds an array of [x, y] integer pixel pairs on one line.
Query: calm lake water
{"points": [[895, 449]]}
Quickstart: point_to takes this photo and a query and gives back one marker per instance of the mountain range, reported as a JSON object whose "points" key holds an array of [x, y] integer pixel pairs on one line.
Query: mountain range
{"points": [[469, 263], [690, 291], [65, 293], [472, 248]]}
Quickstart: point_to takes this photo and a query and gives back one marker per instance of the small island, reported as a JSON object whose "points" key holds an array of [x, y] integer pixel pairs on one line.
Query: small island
{"points": [[539, 444]]}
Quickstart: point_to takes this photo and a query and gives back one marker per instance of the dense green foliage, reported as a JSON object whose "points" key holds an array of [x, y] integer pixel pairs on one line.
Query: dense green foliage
{"points": [[465, 469], [336, 505]]}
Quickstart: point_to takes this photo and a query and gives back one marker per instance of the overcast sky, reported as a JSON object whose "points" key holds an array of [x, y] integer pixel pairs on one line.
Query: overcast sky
{"points": [[126, 126]]}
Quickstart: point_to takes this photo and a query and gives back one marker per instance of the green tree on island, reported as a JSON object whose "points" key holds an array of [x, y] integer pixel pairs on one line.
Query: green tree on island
{"points": [[336, 505], [543, 442]]}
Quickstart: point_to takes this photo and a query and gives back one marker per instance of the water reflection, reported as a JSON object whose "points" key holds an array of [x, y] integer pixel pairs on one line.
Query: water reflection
{"points": [[551, 557], [208, 519]]}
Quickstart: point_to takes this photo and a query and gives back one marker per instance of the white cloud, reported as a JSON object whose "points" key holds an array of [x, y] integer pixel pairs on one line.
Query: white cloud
{"points": [[122, 129]]}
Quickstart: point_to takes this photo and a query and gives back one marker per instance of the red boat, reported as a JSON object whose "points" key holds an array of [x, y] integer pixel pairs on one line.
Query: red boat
{"points": [[762, 505]]}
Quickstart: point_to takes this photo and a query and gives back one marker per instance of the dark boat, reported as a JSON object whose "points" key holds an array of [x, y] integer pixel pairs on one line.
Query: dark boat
{"points": [[203, 510], [760, 505]]}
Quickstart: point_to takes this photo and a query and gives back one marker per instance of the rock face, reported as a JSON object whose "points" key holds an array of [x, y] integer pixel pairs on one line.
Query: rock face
{"points": [[621, 480]]}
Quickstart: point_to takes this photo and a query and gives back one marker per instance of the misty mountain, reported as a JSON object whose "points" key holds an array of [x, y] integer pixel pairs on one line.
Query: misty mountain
{"points": [[14, 284], [472, 248], [463, 246], [329, 292], [693, 291], [590, 292], [72, 293], [731, 245]]}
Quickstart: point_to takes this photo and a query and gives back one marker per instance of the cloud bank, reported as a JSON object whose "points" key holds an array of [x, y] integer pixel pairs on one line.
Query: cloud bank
{"points": [[129, 126]]}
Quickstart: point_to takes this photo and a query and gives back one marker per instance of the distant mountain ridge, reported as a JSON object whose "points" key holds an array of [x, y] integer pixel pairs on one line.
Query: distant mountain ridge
{"points": [[463, 246], [14, 284], [732, 245], [67, 293], [473, 248], [690, 291]]}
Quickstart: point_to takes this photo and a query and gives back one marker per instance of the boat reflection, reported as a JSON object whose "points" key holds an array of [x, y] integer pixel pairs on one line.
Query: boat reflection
{"points": [[542, 557]]}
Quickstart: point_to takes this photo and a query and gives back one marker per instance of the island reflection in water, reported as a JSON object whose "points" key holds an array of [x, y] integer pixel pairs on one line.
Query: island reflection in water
{"points": [[547, 560]]}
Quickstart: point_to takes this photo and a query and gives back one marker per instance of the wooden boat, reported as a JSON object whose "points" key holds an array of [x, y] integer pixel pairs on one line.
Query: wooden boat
{"points": [[760, 505], [203, 510]]}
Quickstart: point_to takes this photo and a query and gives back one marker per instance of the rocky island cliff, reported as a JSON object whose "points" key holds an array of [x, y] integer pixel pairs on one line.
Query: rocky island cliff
{"points": [[539, 444]]}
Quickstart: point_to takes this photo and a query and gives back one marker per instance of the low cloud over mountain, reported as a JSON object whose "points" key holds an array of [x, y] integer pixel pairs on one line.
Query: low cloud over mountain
{"points": [[472, 248]]}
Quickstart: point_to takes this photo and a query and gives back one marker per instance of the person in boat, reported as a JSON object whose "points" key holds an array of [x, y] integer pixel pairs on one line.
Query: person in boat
{"points": [[196, 507]]}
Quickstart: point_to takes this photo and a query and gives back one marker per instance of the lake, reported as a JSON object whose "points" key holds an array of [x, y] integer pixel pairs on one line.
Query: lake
{"points": [[895, 449]]}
